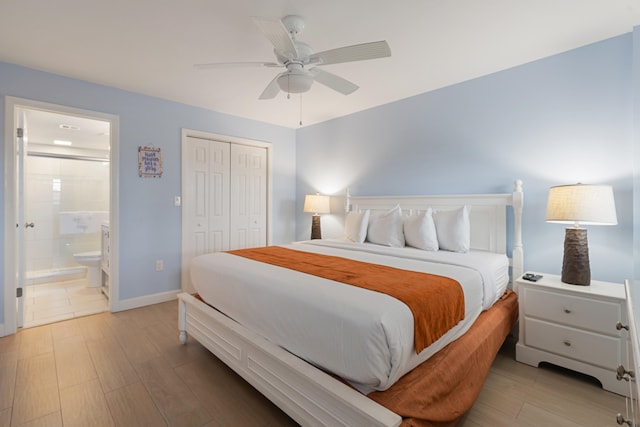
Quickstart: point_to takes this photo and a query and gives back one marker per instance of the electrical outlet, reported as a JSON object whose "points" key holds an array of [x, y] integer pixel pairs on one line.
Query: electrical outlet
{"points": [[159, 265]]}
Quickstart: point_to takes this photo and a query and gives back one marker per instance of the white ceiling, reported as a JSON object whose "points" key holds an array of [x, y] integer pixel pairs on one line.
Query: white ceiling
{"points": [[45, 127], [150, 46]]}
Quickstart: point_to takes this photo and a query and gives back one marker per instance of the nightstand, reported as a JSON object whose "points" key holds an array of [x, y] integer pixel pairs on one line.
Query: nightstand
{"points": [[574, 327]]}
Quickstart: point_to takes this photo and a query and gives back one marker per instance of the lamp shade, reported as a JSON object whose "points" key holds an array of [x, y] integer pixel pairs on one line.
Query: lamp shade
{"points": [[581, 204], [316, 204]]}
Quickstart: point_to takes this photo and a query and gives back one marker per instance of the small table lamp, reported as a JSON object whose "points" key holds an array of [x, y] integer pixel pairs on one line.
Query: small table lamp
{"points": [[579, 204], [317, 204]]}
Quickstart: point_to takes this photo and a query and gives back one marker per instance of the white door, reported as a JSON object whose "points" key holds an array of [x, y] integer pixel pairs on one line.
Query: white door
{"points": [[224, 198], [248, 197], [206, 195], [22, 224], [205, 200]]}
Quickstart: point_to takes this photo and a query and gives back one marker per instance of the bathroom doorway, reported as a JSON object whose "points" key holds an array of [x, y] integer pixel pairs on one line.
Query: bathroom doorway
{"points": [[66, 209], [64, 197]]}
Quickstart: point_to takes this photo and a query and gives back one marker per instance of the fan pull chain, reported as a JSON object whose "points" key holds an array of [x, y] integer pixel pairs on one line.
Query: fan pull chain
{"points": [[300, 109]]}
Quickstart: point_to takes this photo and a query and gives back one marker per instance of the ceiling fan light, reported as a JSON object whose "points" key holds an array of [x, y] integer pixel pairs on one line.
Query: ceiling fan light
{"points": [[295, 82]]}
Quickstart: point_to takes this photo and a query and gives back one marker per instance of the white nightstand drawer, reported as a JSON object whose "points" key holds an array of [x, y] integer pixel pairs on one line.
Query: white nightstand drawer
{"points": [[595, 315], [596, 349]]}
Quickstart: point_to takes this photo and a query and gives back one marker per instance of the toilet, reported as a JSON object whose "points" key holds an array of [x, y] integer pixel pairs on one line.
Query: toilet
{"points": [[74, 223], [92, 260]]}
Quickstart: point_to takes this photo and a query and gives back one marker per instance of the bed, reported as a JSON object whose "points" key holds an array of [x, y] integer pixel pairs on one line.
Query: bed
{"points": [[317, 385]]}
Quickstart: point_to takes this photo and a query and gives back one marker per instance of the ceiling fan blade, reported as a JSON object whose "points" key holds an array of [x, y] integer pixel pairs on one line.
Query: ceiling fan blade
{"points": [[356, 52], [235, 65], [332, 81], [271, 90], [278, 35]]}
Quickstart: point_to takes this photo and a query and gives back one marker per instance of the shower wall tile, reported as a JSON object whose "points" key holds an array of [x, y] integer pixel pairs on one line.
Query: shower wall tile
{"points": [[55, 185]]}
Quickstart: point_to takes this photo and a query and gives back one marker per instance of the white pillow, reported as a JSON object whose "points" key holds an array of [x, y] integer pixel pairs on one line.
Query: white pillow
{"points": [[420, 231], [355, 226], [386, 229], [453, 229]]}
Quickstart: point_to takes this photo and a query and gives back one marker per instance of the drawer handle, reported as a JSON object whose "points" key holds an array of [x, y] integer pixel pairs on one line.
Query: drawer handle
{"points": [[623, 374], [566, 310], [567, 343], [620, 326], [622, 420]]}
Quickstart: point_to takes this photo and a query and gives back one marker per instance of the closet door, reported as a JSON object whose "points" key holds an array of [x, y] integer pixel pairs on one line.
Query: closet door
{"points": [[218, 196], [205, 195], [224, 199], [248, 203]]}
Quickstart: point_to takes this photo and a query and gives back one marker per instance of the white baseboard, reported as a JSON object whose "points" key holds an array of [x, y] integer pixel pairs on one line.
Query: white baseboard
{"points": [[137, 302]]}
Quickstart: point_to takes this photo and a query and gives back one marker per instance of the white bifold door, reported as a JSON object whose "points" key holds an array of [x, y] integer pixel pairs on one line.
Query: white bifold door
{"points": [[224, 198]]}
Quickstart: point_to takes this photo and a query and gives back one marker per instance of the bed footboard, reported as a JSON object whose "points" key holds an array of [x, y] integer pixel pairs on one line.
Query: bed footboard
{"points": [[305, 393]]}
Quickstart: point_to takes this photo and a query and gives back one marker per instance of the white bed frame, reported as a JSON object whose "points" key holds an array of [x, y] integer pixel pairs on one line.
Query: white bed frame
{"points": [[305, 393]]}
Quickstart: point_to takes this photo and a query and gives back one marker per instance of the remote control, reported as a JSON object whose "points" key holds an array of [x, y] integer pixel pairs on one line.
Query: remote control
{"points": [[532, 277]]}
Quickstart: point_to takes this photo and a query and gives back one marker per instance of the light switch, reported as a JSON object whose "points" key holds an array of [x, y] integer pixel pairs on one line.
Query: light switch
{"points": [[177, 201]]}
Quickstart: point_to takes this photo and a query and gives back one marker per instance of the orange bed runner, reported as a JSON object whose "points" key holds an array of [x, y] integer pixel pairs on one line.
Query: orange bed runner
{"points": [[437, 302]]}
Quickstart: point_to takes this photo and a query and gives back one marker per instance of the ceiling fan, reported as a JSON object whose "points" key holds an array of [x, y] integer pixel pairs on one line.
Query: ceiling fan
{"points": [[301, 62]]}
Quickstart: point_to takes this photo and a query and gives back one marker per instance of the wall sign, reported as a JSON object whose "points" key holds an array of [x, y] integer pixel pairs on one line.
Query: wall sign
{"points": [[149, 162]]}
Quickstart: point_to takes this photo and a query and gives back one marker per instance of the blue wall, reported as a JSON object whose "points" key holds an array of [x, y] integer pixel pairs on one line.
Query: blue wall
{"points": [[149, 224], [560, 120]]}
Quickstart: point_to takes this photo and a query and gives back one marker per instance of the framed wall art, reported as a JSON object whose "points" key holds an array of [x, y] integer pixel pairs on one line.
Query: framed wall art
{"points": [[149, 162]]}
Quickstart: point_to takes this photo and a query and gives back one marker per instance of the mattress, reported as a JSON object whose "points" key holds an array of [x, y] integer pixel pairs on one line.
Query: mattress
{"points": [[362, 336]]}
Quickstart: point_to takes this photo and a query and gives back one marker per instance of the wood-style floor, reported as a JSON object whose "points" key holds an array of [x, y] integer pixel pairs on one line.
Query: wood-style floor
{"points": [[128, 369]]}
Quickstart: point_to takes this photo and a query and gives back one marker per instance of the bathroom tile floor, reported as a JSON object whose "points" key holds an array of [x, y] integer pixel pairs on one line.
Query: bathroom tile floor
{"points": [[52, 302]]}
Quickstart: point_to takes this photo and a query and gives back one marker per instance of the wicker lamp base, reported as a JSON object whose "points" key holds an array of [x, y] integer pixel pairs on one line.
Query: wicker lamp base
{"points": [[575, 264], [315, 227]]}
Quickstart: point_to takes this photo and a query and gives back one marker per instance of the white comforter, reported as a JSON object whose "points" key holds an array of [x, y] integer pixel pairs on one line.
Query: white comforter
{"points": [[365, 337]]}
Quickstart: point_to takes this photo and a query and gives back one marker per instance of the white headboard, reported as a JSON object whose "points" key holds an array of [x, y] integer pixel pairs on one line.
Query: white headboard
{"points": [[487, 215]]}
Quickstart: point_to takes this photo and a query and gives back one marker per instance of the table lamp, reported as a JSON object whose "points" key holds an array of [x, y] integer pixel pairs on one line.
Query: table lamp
{"points": [[317, 204], [579, 204]]}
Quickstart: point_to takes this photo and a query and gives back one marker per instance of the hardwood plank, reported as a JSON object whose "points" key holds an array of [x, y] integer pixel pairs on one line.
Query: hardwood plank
{"points": [[62, 330], [232, 400], [165, 337], [84, 405], [562, 403], [111, 364], [149, 316], [8, 372], [35, 342], [36, 392], [5, 417], [506, 385], [533, 416], [133, 339], [177, 402], [132, 406], [486, 416], [53, 419], [73, 362], [95, 327], [577, 387], [464, 422], [10, 343], [503, 395]]}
